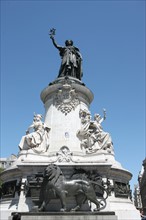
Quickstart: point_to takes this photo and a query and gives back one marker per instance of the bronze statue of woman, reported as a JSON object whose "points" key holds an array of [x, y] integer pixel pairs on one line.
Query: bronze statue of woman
{"points": [[71, 58]]}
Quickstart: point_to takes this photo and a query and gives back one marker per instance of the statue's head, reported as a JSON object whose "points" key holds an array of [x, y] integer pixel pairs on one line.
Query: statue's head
{"points": [[37, 117], [68, 42]]}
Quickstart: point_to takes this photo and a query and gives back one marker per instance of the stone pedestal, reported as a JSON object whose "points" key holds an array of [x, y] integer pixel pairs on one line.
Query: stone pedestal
{"points": [[64, 100], [69, 216]]}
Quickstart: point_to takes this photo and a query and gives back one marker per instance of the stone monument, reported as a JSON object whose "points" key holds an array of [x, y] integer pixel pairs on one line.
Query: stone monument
{"points": [[66, 167]]}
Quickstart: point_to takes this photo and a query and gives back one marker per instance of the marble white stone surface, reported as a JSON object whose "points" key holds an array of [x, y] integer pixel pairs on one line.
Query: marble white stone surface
{"points": [[65, 150]]}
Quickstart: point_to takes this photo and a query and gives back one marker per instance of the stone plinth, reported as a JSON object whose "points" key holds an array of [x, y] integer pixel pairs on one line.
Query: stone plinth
{"points": [[63, 101], [76, 143], [69, 216]]}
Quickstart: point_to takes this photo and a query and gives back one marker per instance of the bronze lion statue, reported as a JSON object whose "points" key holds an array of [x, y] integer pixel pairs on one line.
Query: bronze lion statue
{"points": [[55, 182]]}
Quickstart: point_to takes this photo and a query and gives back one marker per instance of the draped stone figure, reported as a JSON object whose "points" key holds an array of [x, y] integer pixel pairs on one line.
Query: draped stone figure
{"points": [[91, 134], [104, 138], [71, 64], [37, 136]]}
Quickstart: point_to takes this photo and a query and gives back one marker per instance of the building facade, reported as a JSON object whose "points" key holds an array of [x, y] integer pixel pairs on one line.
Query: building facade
{"points": [[7, 162], [142, 183], [140, 190]]}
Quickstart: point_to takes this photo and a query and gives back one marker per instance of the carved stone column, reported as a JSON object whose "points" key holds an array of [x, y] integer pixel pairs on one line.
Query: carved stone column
{"points": [[63, 101]]}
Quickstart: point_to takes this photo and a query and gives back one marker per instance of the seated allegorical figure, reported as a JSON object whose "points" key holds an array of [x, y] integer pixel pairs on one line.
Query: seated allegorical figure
{"points": [[91, 134], [37, 136], [86, 132]]}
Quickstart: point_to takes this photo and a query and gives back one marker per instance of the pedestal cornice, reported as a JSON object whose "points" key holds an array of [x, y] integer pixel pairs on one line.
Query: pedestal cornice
{"points": [[80, 88]]}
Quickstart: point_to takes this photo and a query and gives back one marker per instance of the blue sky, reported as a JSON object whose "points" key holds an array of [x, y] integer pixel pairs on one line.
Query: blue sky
{"points": [[111, 38]]}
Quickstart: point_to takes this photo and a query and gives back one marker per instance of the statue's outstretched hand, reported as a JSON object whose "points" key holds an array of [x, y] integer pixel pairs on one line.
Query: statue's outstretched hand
{"points": [[51, 36]]}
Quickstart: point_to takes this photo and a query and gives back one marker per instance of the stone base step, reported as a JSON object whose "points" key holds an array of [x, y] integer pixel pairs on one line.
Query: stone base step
{"points": [[66, 216]]}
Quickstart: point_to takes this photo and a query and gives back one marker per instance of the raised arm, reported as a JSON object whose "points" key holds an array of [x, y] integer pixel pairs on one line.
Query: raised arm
{"points": [[104, 116], [54, 42]]}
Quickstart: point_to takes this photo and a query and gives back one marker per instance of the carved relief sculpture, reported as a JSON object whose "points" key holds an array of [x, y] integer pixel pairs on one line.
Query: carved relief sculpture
{"points": [[66, 99], [121, 189], [64, 154]]}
